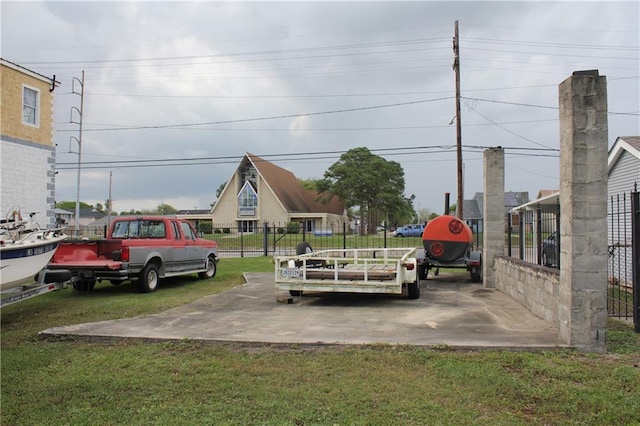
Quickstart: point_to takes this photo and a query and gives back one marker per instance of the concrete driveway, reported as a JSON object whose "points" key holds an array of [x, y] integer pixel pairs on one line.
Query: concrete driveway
{"points": [[450, 312]]}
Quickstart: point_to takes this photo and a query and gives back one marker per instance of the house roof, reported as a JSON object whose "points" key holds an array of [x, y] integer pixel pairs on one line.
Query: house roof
{"points": [[29, 72], [287, 188], [550, 199], [630, 144], [473, 209], [193, 212]]}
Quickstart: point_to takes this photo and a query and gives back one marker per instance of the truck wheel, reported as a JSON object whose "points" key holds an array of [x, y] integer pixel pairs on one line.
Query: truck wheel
{"points": [[84, 286], [148, 281], [211, 269], [414, 289]]}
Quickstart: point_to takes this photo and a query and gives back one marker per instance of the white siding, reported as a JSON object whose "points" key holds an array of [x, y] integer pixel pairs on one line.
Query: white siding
{"points": [[27, 180], [622, 179], [624, 174]]}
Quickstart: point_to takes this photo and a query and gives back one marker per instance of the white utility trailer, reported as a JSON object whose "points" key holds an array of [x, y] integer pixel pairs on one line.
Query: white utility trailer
{"points": [[370, 270]]}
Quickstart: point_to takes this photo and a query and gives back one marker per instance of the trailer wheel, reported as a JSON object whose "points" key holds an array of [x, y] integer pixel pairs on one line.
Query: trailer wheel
{"points": [[148, 281], [295, 293], [303, 248], [84, 286], [414, 289], [211, 269], [476, 275]]}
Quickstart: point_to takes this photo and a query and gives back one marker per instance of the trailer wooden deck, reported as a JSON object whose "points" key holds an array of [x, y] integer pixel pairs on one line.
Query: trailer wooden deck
{"points": [[354, 272]]}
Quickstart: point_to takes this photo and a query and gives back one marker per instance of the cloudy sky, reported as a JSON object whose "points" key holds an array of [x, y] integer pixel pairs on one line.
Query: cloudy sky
{"points": [[176, 92]]}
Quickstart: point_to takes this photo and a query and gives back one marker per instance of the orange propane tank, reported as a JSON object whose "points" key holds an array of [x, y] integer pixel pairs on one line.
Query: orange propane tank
{"points": [[446, 238]]}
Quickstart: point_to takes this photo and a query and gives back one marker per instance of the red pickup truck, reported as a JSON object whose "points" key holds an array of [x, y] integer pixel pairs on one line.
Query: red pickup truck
{"points": [[141, 249]]}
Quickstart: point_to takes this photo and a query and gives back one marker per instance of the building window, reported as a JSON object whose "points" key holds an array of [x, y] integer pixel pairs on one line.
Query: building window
{"points": [[247, 200], [30, 109], [247, 226]]}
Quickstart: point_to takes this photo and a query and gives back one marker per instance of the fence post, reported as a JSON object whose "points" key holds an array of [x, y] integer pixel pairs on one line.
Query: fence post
{"points": [[521, 236], [265, 238], [635, 254], [344, 235], [509, 229], [538, 235], [241, 241], [558, 234]]}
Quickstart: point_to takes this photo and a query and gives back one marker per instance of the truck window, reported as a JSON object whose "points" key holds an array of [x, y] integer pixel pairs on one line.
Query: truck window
{"points": [[187, 231], [125, 229], [152, 229], [139, 229], [176, 230]]}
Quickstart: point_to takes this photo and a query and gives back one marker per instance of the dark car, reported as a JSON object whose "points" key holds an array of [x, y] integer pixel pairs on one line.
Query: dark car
{"points": [[551, 251]]}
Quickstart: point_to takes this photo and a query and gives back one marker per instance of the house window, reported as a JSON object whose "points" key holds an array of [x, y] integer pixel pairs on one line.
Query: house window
{"points": [[30, 107], [247, 200]]}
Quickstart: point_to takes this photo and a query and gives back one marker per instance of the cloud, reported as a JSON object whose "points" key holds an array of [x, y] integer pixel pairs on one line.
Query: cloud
{"points": [[236, 65]]}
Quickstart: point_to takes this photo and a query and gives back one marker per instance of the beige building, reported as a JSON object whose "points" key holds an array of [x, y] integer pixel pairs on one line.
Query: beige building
{"points": [[27, 150], [260, 192]]}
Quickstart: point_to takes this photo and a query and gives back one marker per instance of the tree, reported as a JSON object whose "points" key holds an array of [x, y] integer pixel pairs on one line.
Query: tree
{"points": [[71, 205], [310, 184], [220, 189], [165, 209], [370, 182]]}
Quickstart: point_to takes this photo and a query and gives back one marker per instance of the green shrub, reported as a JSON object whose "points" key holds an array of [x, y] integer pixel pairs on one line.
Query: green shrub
{"points": [[293, 227]]}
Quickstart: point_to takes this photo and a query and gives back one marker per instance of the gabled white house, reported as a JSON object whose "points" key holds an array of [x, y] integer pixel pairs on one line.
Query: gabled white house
{"points": [[624, 165]]}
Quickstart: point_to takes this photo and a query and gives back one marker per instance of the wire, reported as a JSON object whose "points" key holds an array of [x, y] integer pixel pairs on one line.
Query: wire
{"points": [[244, 120], [301, 156]]}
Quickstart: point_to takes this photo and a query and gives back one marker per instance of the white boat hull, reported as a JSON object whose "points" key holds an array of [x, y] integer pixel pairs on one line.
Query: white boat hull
{"points": [[20, 261]]}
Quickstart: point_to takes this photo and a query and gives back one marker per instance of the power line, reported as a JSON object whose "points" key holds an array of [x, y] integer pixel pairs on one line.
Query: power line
{"points": [[283, 157], [245, 120]]}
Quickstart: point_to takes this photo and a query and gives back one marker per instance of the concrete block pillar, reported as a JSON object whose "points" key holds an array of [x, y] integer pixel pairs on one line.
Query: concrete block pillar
{"points": [[582, 308], [493, 213]]}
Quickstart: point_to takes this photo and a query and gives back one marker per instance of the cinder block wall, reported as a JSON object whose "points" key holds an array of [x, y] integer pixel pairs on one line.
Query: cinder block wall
{"points": [[534, 287]]}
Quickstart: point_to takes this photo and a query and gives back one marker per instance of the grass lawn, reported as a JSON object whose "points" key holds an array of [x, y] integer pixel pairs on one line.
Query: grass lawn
{"points": [[187, 383]]}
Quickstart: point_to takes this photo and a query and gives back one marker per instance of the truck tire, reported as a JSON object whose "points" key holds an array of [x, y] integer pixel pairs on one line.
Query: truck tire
{"points": [[84, 286], [414, 289], [211, 269], [148, 281]]}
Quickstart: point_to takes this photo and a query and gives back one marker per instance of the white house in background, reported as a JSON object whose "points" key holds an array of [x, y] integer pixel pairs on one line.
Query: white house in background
{"points": [[624, 177], [623, 165]]}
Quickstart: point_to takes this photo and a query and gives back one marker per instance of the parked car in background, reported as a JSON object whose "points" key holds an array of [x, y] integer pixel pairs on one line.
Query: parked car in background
{"points": [[550, 251], [413, 230]]}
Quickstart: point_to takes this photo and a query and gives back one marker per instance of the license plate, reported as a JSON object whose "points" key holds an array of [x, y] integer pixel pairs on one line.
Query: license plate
{"points": [[291, 273]]}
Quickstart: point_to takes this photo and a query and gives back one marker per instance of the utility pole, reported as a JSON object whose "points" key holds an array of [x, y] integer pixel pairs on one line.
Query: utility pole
{"points": [[109, 201], [456, 68], [79, 140]]}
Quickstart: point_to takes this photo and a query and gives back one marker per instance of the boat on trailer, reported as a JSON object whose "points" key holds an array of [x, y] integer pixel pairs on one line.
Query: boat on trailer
{"points": [[25, 250]]}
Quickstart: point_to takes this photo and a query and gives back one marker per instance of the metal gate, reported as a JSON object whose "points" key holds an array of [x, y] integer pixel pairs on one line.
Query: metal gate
{"points": [[623, 293]]}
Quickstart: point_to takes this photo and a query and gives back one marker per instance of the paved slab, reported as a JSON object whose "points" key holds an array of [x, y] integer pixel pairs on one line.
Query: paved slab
{"points": [[450, 312]]}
